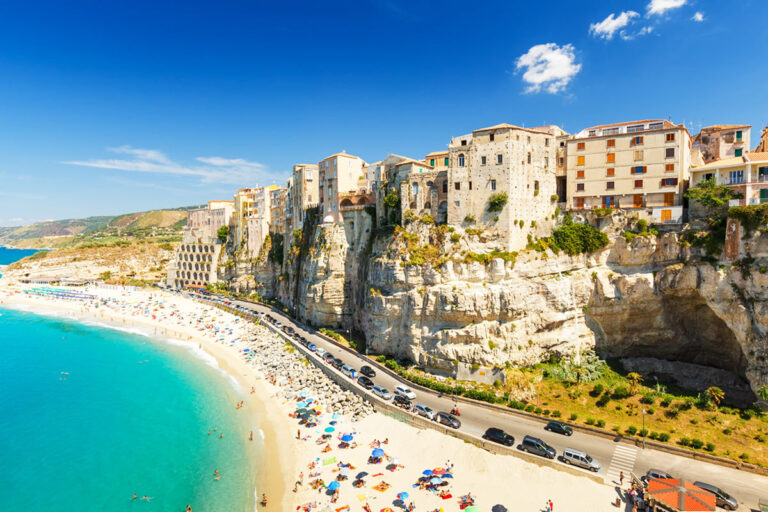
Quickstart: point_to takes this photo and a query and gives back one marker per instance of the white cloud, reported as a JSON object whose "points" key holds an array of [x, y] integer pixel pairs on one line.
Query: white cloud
{"points": [[548, 67], [610, 25], [698, 16], [661, 6], [214, 169]]}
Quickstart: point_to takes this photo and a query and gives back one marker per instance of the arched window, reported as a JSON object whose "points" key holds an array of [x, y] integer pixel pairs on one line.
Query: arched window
{"points": [[414, 189], [461, 160], [430, 184], [427, 205]]}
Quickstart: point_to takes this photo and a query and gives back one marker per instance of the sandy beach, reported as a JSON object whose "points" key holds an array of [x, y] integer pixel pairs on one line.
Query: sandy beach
{"points": [[307, 465]]}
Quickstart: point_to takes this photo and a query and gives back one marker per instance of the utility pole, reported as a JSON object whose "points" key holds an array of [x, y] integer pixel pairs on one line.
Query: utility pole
{"points": [[644, 431]]}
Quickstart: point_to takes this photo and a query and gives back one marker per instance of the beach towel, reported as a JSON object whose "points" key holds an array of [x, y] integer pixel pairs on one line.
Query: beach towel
{"points": [[328, 462], [448, 496], [377, 474], [345, 507], [362, 497], [382, 486]]}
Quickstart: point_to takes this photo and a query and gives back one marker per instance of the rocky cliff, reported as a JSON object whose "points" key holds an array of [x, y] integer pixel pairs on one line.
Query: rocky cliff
{"points": [[451, 301]]}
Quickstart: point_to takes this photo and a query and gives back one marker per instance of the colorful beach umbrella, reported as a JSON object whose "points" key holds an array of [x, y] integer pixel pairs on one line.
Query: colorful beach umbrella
{"points": [[329, 429], [403, 496], [436, 480], [334, 485], [439, 471], [378, 452], [427, 472], [347, 438]]}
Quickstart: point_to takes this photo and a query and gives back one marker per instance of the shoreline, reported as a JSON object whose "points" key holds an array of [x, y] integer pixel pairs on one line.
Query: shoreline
{"points": [[277, 461]]}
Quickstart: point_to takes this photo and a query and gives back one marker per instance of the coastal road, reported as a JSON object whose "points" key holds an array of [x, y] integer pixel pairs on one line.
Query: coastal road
{"points": [[613, 456]]}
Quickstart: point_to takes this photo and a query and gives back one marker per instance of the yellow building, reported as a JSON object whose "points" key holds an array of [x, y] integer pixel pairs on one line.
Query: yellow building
{"points": [[638, 164], [747, 174], [304, 192], [340, 173]]}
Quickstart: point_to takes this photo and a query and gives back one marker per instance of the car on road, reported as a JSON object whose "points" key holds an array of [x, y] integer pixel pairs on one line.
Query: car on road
{"points": [[580, 459], [404, 391], [423, 410], [337, 363], [499, 436], [365, 382], [654, 473], [559, 428], [724, 499], [382, 392], [402, 402], [328, 357], [320, 351], [367, 371], [448, 420], [348, 371], [536, 446], [312, 347]]}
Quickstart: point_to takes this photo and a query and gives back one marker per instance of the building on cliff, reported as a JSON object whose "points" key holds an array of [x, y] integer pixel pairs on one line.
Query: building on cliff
{"points": [[340, 173], [638, 164], [747, 174], [762, 147], [205, 222], [503, 178], [279, 211], [719, 142], [303, 192]]}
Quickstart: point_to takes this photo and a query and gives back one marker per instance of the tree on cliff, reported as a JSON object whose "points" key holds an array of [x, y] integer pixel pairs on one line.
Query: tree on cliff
{"points": [[634, 379], [715, 395], [223, 234], [713, 197]]}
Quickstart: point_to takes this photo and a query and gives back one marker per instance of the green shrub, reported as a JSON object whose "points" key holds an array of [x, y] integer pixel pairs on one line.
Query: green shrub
{"points": [[665, 402], [547, 412], [603, 400], [497, 202], [727, 431], [653, 435], [600, 423], [632, 430], [538, 410], [556, 414], [642, 225], [469, 219], [222, 234], [392, 200], [620, 392], [710, 447], [597, 389], [684, 441], [529, 408], [455, 237], [663, 437], [697, 443], [643, 432], [590, 421], [573, 238], [573, 416], [648, 399], [553, 198]]}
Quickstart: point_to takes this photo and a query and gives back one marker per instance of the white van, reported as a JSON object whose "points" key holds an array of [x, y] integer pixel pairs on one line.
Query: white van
{"points": [[580, 459]]}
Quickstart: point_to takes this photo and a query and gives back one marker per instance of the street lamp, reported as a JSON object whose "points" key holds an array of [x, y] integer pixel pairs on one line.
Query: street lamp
{"points": [[643, 431]]}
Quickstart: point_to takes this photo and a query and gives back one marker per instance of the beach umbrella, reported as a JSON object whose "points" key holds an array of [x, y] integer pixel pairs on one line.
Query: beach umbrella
{"points": [[447, 475], [302, 404], [427, 472], [302, 411], [403, 496], [439, 471], [334, 485], [378, 452], [361, 474], [329, 429], [344, 472], [310, 400], [499, 508], [347, 438], [303, 393], [436, 480]]}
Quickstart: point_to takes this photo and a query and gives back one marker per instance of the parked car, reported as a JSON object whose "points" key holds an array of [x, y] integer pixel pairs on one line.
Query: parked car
{"points": [[654, 473], [312, 347], [724, 499], [538, 447], [321, 351], [580, 459], [404, 391], [337, 363], [499, 436], [559, 428], [348, 371], [365, 382], [402, 402], [328, 357], [382, 392], [367, 371], [447, 419], [423, 410]]}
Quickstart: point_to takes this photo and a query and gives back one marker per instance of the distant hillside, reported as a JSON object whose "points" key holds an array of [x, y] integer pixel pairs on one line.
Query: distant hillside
{"points": [[71, 232]]}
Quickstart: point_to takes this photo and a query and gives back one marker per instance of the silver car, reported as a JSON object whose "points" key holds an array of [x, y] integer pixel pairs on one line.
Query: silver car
{"points": [[423, 410], [580, 459], [382, 392]]}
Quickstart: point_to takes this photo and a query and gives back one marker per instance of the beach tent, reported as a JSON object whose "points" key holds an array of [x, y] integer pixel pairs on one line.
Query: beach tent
{"points": [[677, 495]]}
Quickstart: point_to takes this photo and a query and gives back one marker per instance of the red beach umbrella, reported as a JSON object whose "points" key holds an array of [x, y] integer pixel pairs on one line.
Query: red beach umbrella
{"points": [[679, 495]]}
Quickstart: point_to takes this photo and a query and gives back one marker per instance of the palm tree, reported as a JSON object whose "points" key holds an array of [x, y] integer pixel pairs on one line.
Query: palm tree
{"points": [[715, 395], [634, 379]]}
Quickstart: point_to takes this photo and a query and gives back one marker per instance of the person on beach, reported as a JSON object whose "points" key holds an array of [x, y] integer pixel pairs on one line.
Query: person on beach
{"points": [[263, 500], [621, 478], [251, 435]]}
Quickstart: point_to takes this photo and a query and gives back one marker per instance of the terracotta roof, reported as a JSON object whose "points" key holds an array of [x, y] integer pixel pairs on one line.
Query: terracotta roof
{"points": [[510, 126], [756, 156], [726, 126], [412, 161], [667, 124], [340, 154], [305, 165], [723, 162], [435, 153]]}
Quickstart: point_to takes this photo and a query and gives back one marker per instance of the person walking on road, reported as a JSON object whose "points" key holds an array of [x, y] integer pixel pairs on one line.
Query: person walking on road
{"points": [[621, 478]]}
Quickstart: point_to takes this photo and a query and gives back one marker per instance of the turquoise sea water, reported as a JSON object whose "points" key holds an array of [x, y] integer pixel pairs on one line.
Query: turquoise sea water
{"points": [[8, 256], [91, 415]]}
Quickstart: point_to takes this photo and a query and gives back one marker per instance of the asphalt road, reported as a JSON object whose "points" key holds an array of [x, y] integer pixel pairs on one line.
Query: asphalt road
{"points": [[612, 455]]}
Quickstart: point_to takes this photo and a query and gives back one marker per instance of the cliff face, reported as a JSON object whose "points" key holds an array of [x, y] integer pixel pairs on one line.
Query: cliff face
{"points": [[422, 294]]}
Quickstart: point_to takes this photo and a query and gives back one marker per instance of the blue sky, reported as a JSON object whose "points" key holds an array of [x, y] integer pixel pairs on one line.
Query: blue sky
{"points": [[112, 107]]}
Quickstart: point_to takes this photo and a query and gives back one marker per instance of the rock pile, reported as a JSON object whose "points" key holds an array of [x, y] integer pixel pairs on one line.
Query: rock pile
{"points": [[285, 366]]}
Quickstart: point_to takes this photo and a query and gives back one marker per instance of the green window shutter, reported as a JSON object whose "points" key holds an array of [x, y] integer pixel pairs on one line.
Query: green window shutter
{"points": [[432, 162], [738, 152], [445, 162], [738, 135]]}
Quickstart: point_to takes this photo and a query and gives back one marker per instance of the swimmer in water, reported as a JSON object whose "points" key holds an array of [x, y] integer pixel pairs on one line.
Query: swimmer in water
{"points": [[134, 496]]}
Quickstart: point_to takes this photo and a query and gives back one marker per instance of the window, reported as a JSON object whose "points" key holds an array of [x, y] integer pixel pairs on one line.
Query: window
{"points": [[546, 142], [491, 136], [580, 160], [639, 155], [579, 202], [610, 143], [529, 157], [463, 142], [445, 162], [414, 189], [445, 187], [457, 185], [636, 141], [638, 183], [738, 152], [610, 131], [635, 128], [669, 167], [637, 200], [670, 137], [610, 158], [470, 185], [579, 187], [656, 126], [499, 159], [461, 160], [669, 182], [560, 161], [592, 133], [457, 203], [493, 184], [609, 201], [536, 185], [579, 174], [738, 136], [546, 161], [640, 169], [580, 146], [609, 185], [610, 171], [529, 139], [736, 177], [670, 152], [482, 160], [432, 162]]}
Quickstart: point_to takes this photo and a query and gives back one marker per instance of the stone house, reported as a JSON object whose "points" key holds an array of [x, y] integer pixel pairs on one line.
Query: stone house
{"points": [[304, 192], [339, 173], [720, 141]]}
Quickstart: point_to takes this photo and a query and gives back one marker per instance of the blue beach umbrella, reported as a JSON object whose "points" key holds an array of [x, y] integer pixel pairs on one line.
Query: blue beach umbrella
{"points": [[329, 429], [427, 472], [447, 475], [378, 452], [310, 400], [335, 416], [301, 404], [347, 438], [361, 474], [334, 485], [403, 496], [436, 480]]}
